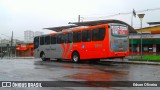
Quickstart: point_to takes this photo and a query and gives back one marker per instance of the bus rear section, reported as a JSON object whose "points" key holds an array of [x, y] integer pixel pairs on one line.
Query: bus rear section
{"points": [[119, 41]]}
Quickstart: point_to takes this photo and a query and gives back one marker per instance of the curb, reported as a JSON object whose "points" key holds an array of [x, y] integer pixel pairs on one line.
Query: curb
{"points": [[23, 58], [133, 62], [20, 57]]}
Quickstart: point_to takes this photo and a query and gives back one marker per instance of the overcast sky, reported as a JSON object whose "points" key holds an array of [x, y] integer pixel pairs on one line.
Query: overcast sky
{"points": [[21, 15]]}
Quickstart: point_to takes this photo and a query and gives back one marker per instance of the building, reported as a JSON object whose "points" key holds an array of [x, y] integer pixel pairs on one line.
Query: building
{"points": [[28, 36], [37, 33], [18, 48], [150, 40], [24, 50], [7, 49], [5, 41]]}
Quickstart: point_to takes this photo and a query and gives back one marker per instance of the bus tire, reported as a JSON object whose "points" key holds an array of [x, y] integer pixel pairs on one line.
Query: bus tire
{"points": [[43, 57], [94, 61], [59, 60], [75, 57]]}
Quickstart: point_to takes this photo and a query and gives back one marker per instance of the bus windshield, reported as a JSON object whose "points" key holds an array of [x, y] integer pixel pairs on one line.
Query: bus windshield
{"points": [[119, 30]]}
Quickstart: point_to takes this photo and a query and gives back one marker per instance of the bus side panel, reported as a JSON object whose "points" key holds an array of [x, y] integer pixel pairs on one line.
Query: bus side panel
{"points": [[52, 51], [68, 51], [88, 50], [77, 47], [105, 48], [36, 53], [42, 48], [58, 51], [101, 48]]}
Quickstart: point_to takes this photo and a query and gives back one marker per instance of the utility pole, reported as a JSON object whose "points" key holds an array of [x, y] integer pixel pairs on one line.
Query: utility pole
{"points": [[10, 52], [79, 17], [133, 15]]}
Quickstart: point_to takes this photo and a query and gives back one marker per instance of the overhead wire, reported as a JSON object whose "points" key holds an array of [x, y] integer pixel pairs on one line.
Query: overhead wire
{"points": [[146, 10]]}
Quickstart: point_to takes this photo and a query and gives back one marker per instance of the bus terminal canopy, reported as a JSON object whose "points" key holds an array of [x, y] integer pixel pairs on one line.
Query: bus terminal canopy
{"points": [[154, 23], [91, 23], [60, 28]]}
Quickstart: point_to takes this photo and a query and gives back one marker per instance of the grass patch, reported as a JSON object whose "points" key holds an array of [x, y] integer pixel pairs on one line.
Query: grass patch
{"points": [[149, 58]]}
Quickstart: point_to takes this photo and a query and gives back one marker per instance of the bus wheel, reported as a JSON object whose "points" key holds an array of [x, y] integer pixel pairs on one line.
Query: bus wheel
{"points": [[75, 57], [43, 57]]}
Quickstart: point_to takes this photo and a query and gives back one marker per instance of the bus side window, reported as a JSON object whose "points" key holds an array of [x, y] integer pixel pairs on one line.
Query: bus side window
{"points": [[42, 40], [86, 36], [77, 36], [70, 37], [102, 33], [36, 42], [64, 38], [98, 34], [58, 39], [53, 40], [47, 40]]}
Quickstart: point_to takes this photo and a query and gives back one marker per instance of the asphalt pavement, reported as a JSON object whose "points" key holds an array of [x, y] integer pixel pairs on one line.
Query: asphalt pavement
{"points": [[37, 70]]}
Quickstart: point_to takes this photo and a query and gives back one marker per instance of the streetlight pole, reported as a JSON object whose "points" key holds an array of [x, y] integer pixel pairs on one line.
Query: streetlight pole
{"points": [[1, 45], [141, 18]]}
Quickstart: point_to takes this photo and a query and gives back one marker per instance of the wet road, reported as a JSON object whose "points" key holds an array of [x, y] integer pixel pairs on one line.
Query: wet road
{"points": [[37, 70]]}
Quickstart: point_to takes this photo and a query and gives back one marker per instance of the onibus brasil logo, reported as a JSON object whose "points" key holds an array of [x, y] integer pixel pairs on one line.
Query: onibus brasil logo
{"points": [[20, 84]]}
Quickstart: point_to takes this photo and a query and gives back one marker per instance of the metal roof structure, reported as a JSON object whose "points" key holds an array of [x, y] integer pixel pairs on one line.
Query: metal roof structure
{"points": [[60, 28], [154, 23], [92, 23]]}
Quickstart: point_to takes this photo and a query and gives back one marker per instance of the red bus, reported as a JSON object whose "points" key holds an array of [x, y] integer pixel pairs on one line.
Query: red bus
{"points": [[84, 41]]}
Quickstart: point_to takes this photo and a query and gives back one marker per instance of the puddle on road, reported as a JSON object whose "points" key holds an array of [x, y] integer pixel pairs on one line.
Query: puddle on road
{"points": [[89, 72], [98, 75], [77, 66]]}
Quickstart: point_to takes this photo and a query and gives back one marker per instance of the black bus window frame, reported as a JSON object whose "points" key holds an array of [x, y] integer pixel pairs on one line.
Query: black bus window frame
{"points": [[53, 39], [36, 42], [98, 34], [86, 36], [70, 37], [42, 40], [47, 40], [77, 36]]}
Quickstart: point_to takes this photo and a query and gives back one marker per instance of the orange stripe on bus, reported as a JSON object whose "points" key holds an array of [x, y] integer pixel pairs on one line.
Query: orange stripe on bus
{"points": [[63, 50], [67, 48]]}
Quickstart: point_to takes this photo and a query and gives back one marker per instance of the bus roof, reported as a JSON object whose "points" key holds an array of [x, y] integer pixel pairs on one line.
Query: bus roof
{"points": [[98, 22]]}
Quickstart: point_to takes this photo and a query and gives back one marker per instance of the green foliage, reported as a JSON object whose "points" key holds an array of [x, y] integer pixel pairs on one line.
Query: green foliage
{"points": [[149, 58]]}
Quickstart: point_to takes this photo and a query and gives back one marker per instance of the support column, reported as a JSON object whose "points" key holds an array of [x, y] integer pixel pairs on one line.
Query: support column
{"points": [[154, 48], [137, 48]]}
